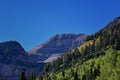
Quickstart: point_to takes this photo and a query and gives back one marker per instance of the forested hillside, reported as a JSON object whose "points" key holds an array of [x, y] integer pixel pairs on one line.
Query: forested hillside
{"points": [[98, 58], [102, 68]]}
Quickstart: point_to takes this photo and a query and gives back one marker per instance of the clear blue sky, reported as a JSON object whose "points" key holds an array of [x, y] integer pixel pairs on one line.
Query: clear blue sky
{"points": [[32, 22]]}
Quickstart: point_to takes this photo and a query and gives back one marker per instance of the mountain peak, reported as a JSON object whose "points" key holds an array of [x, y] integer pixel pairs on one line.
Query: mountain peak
{"points": [[11, 47], [59, 43], [114, 23], [117, 19], [66, 36]]}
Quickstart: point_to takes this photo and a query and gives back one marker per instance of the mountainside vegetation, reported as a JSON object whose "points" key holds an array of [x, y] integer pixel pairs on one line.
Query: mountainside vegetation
{"points": [[97, 58], [103, 68]]}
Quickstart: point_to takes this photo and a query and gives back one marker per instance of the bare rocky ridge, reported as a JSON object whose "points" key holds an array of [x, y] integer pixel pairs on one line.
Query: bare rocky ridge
{"points": [[58, 44]]}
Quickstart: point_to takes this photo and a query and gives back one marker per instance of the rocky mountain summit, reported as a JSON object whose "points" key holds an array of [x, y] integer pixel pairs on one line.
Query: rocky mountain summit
{"points": [[58, 44]]}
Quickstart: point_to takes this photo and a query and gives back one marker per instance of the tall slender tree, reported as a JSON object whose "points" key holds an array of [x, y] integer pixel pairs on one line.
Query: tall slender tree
{"points": [[22, 76]]}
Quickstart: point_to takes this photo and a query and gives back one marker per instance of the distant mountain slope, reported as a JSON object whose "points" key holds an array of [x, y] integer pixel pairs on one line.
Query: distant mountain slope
{"points": [[13, 60], [9, 47], [58, 44]]}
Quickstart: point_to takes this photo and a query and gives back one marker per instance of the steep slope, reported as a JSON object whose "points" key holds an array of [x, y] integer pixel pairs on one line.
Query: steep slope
{"points": [[94, 47], [102, 68], [112, 24], [58, 44], [13, 60]]}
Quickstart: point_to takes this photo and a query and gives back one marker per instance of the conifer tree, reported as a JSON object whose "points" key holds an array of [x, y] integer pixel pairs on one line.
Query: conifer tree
{"points": [[33, 77], [22, 76], [76, 76]]}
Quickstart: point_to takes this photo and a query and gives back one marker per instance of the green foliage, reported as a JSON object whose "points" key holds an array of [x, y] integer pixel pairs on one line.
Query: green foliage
{"points": [[102, 68], [110, 65], [66, 61]]}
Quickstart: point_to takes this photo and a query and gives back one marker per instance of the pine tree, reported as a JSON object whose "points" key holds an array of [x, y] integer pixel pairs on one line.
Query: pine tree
{"points": [[76, 76], [84, 77], [40, 77], [22, 76], [63, 73], [33, 77]]}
